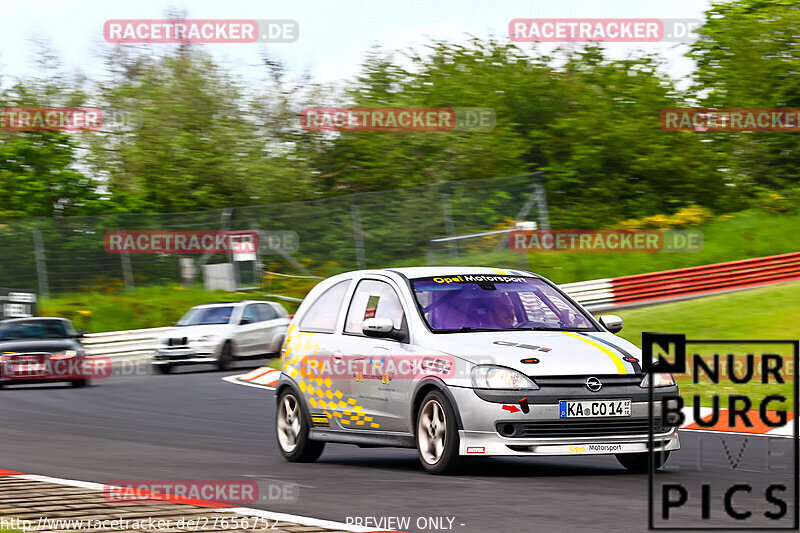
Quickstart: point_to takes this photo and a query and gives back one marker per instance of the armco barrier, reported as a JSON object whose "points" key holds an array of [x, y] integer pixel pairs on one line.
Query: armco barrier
{"points": [[130, 344], [685, 283]]}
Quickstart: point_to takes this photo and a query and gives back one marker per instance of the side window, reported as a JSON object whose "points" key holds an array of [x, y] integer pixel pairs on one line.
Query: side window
{"points": [[267, 312], [324, 311], [251, 312], [373, 299]]}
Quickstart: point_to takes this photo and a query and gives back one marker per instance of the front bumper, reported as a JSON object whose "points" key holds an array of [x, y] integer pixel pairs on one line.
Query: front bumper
{"points": [[490, 443], [184, 356], [482, 421]]}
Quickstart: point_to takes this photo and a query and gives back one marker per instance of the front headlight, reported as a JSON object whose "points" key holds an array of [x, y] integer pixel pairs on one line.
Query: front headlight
{"points": [[64, 355], [500, 377], [661, 380], [207, 338]]}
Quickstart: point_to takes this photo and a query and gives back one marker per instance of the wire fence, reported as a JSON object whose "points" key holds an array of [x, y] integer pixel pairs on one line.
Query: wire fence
{"points": [[367, 230]]}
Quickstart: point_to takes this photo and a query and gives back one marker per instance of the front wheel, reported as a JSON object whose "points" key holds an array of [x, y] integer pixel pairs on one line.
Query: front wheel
{"points": [[292, 426], [639, 463], [225, 360], [437, 435]]}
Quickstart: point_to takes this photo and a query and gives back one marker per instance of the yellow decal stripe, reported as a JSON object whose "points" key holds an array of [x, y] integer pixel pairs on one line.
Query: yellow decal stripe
{"points": [[614, 357], [499, 271]]}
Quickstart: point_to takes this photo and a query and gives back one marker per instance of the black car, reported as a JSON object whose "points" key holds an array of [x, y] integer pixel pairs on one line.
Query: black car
{"points": [[33, 350]]}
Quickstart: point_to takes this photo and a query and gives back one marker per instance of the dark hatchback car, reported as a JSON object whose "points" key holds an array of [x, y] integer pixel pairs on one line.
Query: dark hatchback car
{"points": [[39, 349]]}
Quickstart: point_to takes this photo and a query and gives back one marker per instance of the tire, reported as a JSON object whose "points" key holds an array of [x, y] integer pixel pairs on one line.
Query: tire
{"points": [[78, 383], [163, 369], [437, 435], [225, 360], [292, 431], [639, 463]]}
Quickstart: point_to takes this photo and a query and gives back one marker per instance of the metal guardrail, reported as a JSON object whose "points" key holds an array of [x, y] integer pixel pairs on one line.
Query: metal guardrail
{"points": [[125, 344]]}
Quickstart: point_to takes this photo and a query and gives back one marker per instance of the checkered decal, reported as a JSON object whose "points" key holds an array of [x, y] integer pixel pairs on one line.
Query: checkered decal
{"points": [[298, 363]]}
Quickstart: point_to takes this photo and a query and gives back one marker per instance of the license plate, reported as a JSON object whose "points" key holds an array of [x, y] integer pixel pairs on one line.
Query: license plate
{"points": [[26, 368], [594, 408]]}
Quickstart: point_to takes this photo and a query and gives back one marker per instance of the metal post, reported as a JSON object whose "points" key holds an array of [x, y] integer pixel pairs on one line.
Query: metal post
{"points": [[358, 236], [41, 264], [541, 203], [127, 272], [449, 226]]}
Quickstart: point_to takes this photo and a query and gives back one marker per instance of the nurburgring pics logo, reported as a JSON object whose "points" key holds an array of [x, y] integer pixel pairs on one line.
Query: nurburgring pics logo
{"points": [[50, 119], [180, 242], [730, 120], [606, 241], [744, 426], [623, 30], [397, 119], [200, 31]]}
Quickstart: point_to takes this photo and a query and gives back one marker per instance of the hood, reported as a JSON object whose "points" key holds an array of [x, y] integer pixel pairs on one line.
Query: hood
{"points": [[39, 345], [195, 332], [546, 353]]}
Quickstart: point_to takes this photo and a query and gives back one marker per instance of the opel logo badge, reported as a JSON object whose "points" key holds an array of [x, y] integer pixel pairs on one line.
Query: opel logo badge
{"points": [[593, 384]]}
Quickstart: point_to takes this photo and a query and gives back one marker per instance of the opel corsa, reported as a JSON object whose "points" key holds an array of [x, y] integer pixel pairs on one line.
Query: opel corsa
{"points": [[459, 362]]}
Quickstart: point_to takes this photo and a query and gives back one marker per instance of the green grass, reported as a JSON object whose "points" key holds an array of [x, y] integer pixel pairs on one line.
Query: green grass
{"points": [[147, 307], [765, 313]]}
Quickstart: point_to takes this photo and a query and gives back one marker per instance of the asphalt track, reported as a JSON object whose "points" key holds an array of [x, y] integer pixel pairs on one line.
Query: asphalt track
{"points": [[194, 425]]}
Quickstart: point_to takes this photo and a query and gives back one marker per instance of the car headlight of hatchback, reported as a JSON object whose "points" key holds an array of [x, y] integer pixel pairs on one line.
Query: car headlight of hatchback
{"points": [[661, 379], [500, 377], [207, 339]]}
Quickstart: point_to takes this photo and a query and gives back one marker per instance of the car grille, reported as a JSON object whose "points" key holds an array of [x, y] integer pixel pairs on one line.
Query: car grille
{"points": [[580, 381], [178, 341], [578, 428]]}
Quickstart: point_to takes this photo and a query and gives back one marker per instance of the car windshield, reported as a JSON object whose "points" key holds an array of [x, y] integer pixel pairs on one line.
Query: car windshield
{"points": [[206, 315], [34, 329], [496, 303]]}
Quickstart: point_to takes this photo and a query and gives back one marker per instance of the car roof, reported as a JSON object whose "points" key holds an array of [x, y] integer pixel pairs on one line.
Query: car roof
{"points": [[230, 304], [21, 319], [432, 271]]}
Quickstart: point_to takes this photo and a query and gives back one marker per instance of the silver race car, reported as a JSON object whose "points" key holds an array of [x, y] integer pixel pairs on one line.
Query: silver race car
{"points": [[463, 362]]}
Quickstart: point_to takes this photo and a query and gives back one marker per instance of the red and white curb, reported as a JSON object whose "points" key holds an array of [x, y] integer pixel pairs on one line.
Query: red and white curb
{"points": [[721, 425], [221, 507], [264, 378]]}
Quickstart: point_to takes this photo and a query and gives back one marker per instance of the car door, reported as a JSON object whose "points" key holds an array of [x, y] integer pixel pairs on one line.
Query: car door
{"points": [[247, 332], [383, 392], [271, 326], [315, 337]]}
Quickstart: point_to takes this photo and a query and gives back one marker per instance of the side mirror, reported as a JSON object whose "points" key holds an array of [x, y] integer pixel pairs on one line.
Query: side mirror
{"points": [[79, 333], [245, 320], [612, 323], [381, 328]]}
